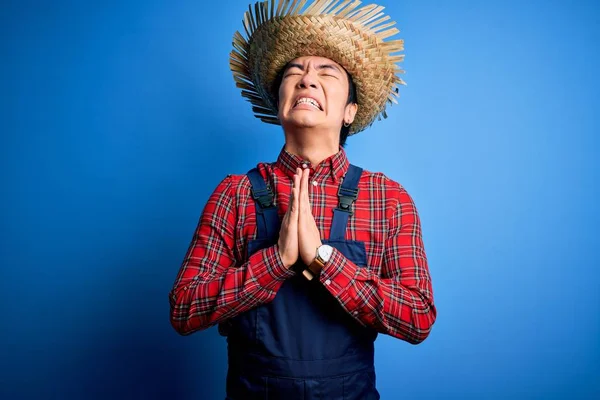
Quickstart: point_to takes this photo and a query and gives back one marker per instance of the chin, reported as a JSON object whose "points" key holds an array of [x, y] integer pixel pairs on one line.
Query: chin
{"points": [[304, 121]]}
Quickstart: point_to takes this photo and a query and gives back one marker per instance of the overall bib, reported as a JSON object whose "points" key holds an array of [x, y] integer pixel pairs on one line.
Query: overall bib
{"points": [[302, 345]]}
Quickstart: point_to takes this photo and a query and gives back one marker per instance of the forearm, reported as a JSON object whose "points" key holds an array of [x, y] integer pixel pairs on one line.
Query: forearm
{"points": [[199, 300], [401, 309]]}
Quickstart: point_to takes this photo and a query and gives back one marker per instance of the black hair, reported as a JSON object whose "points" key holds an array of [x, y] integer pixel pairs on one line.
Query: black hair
{"points": [[352, 98]]}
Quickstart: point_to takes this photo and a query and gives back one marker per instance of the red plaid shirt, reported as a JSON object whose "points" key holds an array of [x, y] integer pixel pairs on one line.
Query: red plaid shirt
{"points": [[393, 294]]}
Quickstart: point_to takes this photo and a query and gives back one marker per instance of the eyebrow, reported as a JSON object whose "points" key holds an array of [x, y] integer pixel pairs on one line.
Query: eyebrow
{"points": [[319, 67]]}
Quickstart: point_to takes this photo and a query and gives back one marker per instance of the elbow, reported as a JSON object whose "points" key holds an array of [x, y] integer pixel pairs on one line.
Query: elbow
{"points": [[423, 323], [184, 323], [412, 336], [420, 326], [179, 322], [181, 326], [180, 316], [187, 315], [418, 337]]}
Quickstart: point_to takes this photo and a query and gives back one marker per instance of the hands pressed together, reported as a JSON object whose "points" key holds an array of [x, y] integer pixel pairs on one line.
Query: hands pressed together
{"points": [[299, 236]]}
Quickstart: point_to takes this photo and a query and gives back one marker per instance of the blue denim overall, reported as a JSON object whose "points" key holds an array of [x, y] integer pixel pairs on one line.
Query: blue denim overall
{"points": [[302, 345]]}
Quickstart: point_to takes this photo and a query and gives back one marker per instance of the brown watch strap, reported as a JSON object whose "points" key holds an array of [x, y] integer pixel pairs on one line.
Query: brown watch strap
{"points": [[317, 264], [308, 274]]}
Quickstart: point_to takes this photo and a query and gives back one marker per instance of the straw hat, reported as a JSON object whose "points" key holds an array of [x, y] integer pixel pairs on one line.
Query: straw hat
{"points": [[279, 31]]}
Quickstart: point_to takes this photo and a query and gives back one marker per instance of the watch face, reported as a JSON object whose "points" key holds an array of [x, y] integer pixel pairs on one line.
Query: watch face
{"points": [[325, 252]]}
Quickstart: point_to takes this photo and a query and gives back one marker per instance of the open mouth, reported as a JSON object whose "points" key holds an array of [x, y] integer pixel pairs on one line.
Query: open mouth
{"points": [[310, 101]]}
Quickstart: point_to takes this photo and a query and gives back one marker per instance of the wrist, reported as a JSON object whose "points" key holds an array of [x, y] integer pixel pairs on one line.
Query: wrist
{"points": [[286, 263], [309, 257], [323, 254]]}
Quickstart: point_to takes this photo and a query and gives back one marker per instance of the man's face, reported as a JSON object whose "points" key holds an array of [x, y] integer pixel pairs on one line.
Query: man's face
{"points": [[314, 94]]}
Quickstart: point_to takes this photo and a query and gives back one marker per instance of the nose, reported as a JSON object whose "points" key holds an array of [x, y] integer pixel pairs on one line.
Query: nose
{"points": [[308, 80]]}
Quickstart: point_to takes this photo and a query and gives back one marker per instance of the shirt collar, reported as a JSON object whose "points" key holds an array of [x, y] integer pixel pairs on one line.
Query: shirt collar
{"points": [[334, 166]]}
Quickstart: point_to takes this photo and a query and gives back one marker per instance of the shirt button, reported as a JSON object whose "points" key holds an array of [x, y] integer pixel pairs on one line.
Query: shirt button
{"points": [[328, 282], [314, 183], [304, 165]]}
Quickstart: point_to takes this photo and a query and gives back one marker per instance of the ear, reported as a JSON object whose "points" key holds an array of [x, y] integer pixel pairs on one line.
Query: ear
{"points": [[350, 112]]}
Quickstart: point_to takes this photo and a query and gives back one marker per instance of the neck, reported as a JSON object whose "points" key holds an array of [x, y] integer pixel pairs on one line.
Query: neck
{"points": [[311, 145]]}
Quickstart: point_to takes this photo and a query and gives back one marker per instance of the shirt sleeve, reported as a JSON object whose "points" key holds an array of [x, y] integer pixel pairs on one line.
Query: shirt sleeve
{"points": [[212, 286], [400, 301]]}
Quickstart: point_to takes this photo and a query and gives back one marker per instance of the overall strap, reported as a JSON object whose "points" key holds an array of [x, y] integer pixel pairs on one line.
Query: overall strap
{"points": [[267, 220], [347, 194]]}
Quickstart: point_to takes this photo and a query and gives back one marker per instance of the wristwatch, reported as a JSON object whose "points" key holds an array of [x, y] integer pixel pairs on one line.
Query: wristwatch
{"points": [[324, 253]]}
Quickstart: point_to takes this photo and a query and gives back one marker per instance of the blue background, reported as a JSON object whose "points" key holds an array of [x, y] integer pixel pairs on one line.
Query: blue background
{"points": [[118, 120]]}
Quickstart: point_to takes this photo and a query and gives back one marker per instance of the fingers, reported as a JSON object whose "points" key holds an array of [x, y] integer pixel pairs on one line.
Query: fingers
{"points": [[304, 191], [294, 205], [299, 198], [288, 236]]}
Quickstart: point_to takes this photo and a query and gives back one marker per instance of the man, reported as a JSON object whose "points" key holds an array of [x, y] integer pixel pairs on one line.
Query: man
{"points": [[302, 262]]}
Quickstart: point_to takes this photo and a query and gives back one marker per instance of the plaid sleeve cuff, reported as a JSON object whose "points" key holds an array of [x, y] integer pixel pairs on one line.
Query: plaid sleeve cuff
{"points": [[338, 274], [268, 268]]}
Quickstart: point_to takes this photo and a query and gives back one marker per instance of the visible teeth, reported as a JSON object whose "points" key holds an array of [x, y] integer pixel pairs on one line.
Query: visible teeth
{"points": [[307, 100]]}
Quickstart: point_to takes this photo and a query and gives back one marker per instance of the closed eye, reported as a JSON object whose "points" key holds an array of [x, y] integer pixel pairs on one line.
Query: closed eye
{"points": [[328, 70]]}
